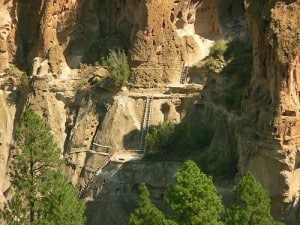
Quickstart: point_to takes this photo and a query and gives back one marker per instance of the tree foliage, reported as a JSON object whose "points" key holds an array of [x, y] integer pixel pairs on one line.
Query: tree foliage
{"points": [[161, 139], [215, 60], [42, 193], [194, 197], [252, 204], [194, 201], [147, 213], [60, 205], [117, 64]]}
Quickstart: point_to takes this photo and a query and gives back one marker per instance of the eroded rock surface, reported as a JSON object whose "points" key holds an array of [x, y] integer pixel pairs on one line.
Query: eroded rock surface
{"points": [[268, 139], [93, 122]]}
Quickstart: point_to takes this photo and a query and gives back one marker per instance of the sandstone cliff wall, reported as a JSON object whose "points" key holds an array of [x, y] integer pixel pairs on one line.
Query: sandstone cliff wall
{"points": [[50, 39], [268, 135]]}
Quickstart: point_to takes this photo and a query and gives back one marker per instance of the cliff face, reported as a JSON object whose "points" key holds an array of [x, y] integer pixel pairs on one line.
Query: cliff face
{"points": [[50, 39], [268, 137]]}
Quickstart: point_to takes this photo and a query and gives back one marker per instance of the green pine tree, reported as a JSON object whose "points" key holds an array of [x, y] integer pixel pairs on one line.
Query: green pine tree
{"points": [[194, 197], [252, 205], [117, 64], [41, 190], [60, 205], [147, 213]]}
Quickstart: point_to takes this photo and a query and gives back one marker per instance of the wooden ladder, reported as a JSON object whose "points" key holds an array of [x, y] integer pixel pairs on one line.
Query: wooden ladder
{"points": [[145, 123], [92, 177], [184, 74]]}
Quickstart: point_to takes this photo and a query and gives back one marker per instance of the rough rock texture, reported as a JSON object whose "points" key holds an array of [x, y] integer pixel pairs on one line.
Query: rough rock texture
{"points": [[116, 189], [90, 120], [178, 36], [268, 139], [7, 112], [8, 27]]}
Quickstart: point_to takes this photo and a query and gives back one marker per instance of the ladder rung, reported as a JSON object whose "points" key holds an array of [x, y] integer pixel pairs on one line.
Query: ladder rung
{"points": [[92, 177]]}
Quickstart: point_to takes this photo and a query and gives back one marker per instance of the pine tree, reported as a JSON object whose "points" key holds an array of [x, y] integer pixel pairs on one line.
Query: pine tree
{"points": [[117, 64], [194, 197], [42, 193], [60, 205], [252, 205], [147, 213]]}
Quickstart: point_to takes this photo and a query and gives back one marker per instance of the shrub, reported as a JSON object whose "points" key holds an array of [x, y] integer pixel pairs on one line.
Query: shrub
{"points": [[233, 59], [231, 56], [21, 77], [117, 64], [219, 48], [214, 64], [219, 163], [238, 57], [161, 139], [168, 138], [215, 60]]}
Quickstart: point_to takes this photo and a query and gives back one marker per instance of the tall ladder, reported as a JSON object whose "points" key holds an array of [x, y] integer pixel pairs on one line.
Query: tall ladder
{"points": [[93, 177], [184, 73], [145, 123]]}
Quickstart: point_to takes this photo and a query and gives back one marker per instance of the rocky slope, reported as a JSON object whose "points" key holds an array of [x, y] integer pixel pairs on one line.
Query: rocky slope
{"points": [[92, 122]]}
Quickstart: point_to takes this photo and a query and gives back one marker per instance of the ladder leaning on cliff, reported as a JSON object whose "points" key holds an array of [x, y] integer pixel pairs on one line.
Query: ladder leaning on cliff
{"points": [[145, 123], [93, 177], [184, 73]]}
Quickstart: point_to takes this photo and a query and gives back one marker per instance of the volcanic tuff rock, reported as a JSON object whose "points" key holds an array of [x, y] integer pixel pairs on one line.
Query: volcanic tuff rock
{"points": [[268, 140], [51, 39]]}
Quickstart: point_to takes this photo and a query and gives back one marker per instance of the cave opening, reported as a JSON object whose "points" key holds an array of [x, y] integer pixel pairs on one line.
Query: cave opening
{"points": [[165, 109]]}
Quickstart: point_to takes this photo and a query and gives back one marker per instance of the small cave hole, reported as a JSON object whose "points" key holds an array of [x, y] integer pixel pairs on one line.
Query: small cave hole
{"points": [[163, 25], [189, 16], [180, 24], [165, 109], [289, 132], [172, 17], [179, 108], [275, 131], [289, 113], [179, 15]]}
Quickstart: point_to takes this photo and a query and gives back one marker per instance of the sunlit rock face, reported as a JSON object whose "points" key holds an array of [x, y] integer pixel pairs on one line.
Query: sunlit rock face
{"points": [[50, 39], [268, 139]]}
